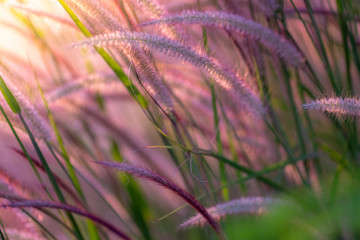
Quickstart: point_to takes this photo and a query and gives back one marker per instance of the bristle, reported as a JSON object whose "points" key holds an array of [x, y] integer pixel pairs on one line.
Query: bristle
{"points": [[167, 183], [225, 79], [239, 24], [336, 106], [249, 205]]}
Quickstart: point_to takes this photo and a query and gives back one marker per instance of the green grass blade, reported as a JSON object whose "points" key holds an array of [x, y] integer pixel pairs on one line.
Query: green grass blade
{"points": [[108, 59], [9, 97], [51, 177]]}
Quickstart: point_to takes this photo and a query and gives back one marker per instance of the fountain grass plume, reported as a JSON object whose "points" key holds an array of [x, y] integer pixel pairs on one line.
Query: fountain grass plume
{"points": [[225, 78], [167, 183], [79, 84], [248, 205], [236, 23], [337, 106], [93, 9]]}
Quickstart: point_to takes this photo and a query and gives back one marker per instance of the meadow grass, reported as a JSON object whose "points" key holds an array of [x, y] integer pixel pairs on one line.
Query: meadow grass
{"points": [[243, 113]]}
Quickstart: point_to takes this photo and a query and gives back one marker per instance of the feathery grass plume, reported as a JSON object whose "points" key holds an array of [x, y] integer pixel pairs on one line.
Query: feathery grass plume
{"points": [[336, 106], [226, 79], [92, 9], [167, 183], [148, 74], [80, 83], [37, 124], [236, 23], [249, 205], [17, 202]]}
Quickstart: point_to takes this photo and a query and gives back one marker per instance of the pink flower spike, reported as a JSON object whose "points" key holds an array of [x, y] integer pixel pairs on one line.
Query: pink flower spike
{"points": [[236, 23], [167, 183], [336, 106]]}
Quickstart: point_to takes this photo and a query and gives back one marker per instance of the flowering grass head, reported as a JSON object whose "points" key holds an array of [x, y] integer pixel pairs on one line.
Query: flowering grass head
{"points": [[340, 107]]}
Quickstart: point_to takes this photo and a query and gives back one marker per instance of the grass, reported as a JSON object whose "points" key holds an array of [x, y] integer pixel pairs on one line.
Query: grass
{"points": [[244, 114]]}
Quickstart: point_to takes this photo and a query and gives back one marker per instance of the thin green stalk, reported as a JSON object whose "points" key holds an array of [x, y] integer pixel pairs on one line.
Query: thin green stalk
{"points": [[51, 177], [24, 149], [222, 170], [309, 124], [240, 168], [233, 148], [278, 131], [3, 236], [298, 122], [64, 152], [39, 224], [137, 205], [108, 59], [220, 158], [93, 232], [277, 166], [327, 64], [223, 178]]}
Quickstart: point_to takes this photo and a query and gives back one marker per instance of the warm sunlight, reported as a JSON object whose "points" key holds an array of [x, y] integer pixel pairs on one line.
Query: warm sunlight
{"points": [[196, 119]]}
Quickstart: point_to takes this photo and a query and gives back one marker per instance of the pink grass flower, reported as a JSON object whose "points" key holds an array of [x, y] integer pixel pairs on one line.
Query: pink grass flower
{"points": [[336, 106], [167, 183], [249, 205], [236, 23], [227, 80]]}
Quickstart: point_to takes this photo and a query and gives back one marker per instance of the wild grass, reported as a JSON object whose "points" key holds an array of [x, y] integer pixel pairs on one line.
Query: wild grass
{"points": [[244, 113]]}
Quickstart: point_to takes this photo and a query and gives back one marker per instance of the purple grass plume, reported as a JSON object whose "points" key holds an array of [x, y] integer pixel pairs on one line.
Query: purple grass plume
{"points": [[226, 79], [236, 23], [337, 106], [167, 183], [249, 205]]}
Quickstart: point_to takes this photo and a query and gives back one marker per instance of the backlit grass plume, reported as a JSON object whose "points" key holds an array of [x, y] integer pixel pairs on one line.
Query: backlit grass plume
{"points": [[249, 205], [225, 79], [93, 9], [167, 183], [236, 23], [336, 106], [79, 84]]}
